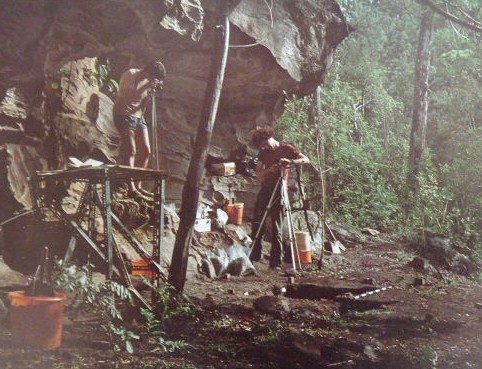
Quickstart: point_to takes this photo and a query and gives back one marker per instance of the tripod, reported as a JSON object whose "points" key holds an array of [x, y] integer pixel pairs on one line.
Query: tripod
{"points": [[280, 193]]}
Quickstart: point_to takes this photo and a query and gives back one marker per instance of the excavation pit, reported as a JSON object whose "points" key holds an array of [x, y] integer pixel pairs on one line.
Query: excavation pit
{"points": [[349, 298]]}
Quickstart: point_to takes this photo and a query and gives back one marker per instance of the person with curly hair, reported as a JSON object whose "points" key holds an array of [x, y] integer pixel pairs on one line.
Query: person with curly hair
{"points": [[274, 159]]}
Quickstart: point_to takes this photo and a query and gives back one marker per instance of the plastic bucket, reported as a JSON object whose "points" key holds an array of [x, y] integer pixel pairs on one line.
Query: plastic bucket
{"points": [[235, 213], [37, 321], [303, 241], [142, 267], [305, 256]]}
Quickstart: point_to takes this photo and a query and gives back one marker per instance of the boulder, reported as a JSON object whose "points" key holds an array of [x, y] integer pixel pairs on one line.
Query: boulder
{"points": [[276, 306], [445, 253]]}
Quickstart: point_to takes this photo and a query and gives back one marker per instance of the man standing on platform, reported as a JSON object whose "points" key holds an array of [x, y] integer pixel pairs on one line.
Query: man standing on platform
{"points": [[129, 116], [274, 160]]}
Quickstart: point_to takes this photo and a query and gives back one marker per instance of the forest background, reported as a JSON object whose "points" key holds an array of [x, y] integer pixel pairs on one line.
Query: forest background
{"points": [[357, 128]]}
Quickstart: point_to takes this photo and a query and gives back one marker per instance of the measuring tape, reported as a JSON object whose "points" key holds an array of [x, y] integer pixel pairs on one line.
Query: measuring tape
{"points": [[368, 293]]}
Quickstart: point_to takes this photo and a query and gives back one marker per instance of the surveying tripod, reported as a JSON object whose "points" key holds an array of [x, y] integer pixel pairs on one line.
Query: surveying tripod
{"points": [[280, 193]]}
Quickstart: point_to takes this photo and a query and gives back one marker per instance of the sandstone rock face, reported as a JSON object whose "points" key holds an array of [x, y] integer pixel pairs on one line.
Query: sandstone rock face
{"points": [[53, 104]]}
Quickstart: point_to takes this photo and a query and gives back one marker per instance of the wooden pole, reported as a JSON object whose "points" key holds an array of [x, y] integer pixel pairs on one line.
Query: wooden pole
{"points": [[155, 142], [190, 193]]}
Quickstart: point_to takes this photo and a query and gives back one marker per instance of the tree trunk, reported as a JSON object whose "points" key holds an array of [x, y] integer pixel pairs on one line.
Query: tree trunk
{"points": [[420, 100], [316, 120], [190, 193]]}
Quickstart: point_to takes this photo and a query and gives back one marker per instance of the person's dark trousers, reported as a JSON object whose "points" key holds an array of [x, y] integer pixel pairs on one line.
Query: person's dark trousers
{"points": [[261, 205]]}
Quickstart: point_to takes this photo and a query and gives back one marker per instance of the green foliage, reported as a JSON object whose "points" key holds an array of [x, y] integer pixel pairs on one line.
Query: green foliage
{"points": [[99, 299], [431, 204], [357, 186], [456, 135], [101, 78], [155, 333], [427, 357], [123, 335], [102, 299], [359, 192], [274, 333], [367, 112], [464, 171], [224, 350], [167, 301]]}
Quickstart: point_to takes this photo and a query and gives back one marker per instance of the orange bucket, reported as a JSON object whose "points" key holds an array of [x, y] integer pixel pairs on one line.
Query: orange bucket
{"points": [[305, 256], [235, 213], [142, 267], [37, 321]]}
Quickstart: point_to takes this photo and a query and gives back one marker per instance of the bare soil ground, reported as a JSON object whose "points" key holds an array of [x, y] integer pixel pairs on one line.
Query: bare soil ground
{"points": [[423, 321]]}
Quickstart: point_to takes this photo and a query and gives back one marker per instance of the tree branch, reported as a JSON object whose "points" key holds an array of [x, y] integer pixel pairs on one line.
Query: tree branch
{"points": [[457, 32], [446, 14], [466, 14]]}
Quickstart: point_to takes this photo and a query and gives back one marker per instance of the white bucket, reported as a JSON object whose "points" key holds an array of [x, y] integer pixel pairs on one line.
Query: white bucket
{"points": [[303, 241]]}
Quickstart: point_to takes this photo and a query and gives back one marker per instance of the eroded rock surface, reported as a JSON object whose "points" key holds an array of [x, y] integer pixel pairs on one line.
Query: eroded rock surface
{"points": [[54, 104]]}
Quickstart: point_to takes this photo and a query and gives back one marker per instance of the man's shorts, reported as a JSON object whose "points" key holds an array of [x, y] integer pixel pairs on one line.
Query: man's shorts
{"points": [[129, 122]]}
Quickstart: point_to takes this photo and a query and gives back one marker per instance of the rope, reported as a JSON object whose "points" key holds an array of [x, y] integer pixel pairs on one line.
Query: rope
{"points": [[241, 46], [15, 217]]}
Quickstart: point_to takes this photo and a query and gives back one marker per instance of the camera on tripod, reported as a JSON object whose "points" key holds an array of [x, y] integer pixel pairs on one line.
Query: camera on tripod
{"points": [[159, 86], [247, 166]]}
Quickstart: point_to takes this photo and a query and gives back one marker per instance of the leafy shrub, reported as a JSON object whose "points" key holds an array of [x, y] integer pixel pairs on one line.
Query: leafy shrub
{"points": [[98, 299]]}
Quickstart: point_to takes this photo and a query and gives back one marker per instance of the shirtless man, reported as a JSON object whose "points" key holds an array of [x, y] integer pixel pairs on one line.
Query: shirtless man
{"points": [[129, 108]]}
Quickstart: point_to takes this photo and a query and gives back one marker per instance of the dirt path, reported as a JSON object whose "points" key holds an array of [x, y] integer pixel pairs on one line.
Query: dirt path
{"points": [[419, 321]]}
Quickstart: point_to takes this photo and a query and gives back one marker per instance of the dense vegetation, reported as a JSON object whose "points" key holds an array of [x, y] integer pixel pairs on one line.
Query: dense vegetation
{"points": [[367, 103]]}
